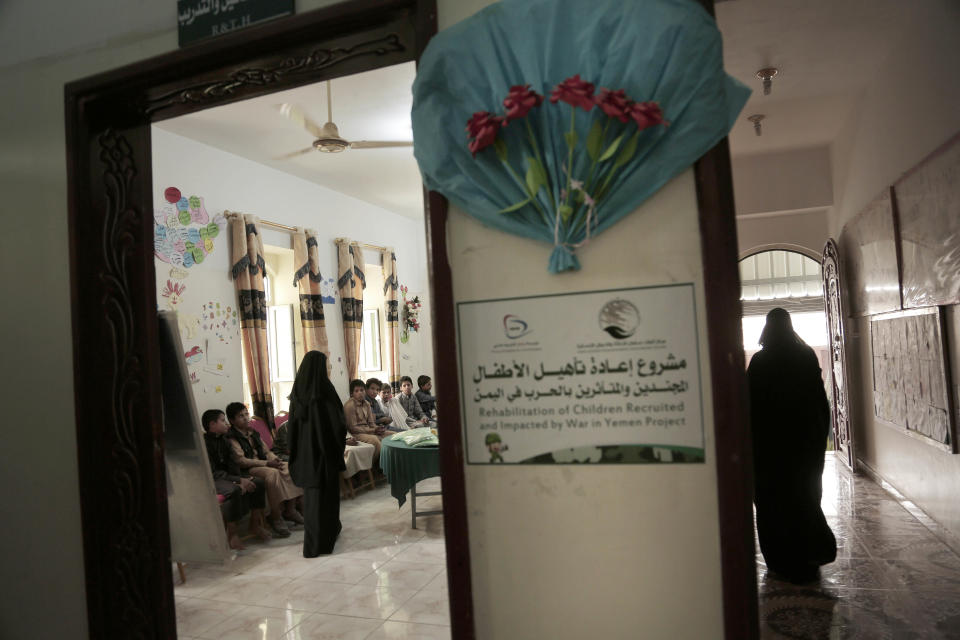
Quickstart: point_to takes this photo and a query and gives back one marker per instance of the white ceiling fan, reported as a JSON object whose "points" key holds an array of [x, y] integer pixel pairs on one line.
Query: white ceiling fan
{"points": [[328, 138]]}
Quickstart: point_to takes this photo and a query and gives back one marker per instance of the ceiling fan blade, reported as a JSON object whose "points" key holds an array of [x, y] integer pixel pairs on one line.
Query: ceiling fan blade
{"points": [[287, 156], [378, 144], [293, 113]]}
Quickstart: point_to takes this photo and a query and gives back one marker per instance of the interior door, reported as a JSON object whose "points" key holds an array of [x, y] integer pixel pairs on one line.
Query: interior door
{"points": [[833, 292]]}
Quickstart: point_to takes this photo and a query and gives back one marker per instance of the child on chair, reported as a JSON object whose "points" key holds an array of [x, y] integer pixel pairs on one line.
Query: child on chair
{"points": [[427, 401], [411, 405], [241, 491], [251, 455]]}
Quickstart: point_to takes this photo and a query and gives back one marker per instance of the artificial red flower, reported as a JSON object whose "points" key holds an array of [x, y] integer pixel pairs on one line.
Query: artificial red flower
{"points": [[483, 128], [646, 114], [520, 100], [574, 91], [615, 104]]}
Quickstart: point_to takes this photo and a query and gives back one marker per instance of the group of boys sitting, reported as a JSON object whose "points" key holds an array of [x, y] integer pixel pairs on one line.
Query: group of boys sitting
{"points": [[249, 476], [373, 412]]}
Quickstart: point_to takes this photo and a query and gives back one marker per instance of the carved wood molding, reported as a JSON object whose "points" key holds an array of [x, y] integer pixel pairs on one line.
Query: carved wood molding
{"points": [[134, 554], [313, 61]]}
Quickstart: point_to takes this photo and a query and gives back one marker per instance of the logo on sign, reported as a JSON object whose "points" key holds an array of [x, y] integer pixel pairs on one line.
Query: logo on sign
{"points": [[514, 327], [619, 318]]}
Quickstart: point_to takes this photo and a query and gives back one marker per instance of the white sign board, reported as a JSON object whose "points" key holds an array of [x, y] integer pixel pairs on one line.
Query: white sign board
{"points": [[592, 377]]}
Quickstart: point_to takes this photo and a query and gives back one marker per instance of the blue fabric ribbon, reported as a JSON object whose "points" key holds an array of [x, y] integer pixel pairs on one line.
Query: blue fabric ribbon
{"points": [[667, 51]]}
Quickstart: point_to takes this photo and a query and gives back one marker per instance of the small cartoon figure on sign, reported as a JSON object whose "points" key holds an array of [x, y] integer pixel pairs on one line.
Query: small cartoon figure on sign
{"points": [[495, 446]]}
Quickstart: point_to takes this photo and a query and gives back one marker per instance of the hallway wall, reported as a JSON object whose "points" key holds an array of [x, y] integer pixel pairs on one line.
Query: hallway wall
{"points": [[911, 108]]}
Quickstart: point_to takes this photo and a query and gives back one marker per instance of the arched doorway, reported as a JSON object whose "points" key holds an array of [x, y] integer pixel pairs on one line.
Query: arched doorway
{"points": [[788, 277]]}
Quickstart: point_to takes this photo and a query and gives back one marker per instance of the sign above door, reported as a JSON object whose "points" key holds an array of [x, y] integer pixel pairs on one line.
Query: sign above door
{"points": [[200, 19]]}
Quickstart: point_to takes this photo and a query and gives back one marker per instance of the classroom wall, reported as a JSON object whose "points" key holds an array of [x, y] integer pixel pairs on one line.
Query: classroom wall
{"points": [[907, 111], [226, 182]]}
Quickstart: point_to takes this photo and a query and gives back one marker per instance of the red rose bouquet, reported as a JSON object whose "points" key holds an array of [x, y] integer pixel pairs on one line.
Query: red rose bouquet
{"points": [[611, 143]]}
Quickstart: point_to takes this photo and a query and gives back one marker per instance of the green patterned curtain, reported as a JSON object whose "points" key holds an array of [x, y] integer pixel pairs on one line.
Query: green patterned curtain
{"points": [[246, 256], [390, 287], [351, 282]]}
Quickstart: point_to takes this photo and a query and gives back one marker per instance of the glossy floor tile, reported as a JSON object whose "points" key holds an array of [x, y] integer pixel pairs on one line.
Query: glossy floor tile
{"points": [[894, 578], [384, 580]]}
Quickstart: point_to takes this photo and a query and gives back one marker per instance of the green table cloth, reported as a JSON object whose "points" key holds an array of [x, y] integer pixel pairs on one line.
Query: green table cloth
{"points": [[405, 466]]}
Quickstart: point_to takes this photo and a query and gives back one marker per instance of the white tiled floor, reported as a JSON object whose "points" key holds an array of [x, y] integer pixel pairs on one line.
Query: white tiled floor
{"points": [[384, 580]]}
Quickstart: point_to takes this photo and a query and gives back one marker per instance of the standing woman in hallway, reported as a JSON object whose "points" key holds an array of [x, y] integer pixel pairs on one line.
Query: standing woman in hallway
{"points": [[318, 435], [790, 417]]}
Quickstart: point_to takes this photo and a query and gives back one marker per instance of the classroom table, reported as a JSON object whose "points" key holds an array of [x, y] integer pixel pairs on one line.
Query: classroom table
{"points": [[404, 467]]}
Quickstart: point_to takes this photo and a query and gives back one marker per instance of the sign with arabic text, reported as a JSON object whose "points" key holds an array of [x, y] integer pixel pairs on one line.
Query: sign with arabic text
{"points": [[592, 377], [198, 19]]}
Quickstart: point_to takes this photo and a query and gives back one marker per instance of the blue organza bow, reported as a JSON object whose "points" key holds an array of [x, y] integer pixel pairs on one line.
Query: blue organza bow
{"points": [[565, 170]]}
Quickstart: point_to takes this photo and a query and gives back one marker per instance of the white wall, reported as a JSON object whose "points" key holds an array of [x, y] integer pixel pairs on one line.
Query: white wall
{"points": [[807, 229], [909, 109], [782, 181], [783, 197], [229, 182], [582, 551], [41, 548]]}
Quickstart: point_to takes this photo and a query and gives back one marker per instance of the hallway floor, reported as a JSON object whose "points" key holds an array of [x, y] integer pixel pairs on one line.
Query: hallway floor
{"points": [[893, 577], [383, 580]]}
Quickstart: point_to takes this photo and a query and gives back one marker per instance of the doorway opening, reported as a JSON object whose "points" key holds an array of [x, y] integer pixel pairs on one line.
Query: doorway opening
{"points": [[387, 566], [791, 280], [113, 234]]}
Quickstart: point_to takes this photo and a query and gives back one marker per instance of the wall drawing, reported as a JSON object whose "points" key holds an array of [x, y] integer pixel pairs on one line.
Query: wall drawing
{"points": [[220, 322], [328, 290]]}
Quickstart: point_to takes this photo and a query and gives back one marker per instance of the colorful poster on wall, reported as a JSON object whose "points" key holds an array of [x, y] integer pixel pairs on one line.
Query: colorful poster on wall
{"points": [[593, 377], [183, 231], [220, 321]]}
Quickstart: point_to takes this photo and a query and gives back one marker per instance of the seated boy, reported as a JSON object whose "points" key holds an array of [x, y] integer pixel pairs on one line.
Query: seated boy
{"points": [[359, 417], [243, 493], [372, 387], [411, 405], [391, 405], [427, 402], [252, 456]]}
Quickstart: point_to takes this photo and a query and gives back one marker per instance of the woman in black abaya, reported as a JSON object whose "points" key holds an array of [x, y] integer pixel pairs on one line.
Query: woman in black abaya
{"points": [[318, 433], [791, 419]]}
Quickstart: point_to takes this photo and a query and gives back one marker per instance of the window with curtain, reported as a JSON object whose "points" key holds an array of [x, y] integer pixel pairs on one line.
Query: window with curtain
{"points": [[370, 339], [372, 333], [281, 343]]}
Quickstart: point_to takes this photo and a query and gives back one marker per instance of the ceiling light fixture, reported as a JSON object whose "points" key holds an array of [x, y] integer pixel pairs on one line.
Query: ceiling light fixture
{"points": [[766, 75], [756, 119]]}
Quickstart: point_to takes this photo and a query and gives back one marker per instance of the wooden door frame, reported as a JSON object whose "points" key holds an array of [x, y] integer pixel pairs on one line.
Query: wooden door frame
{"points": [[120, 446]]}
